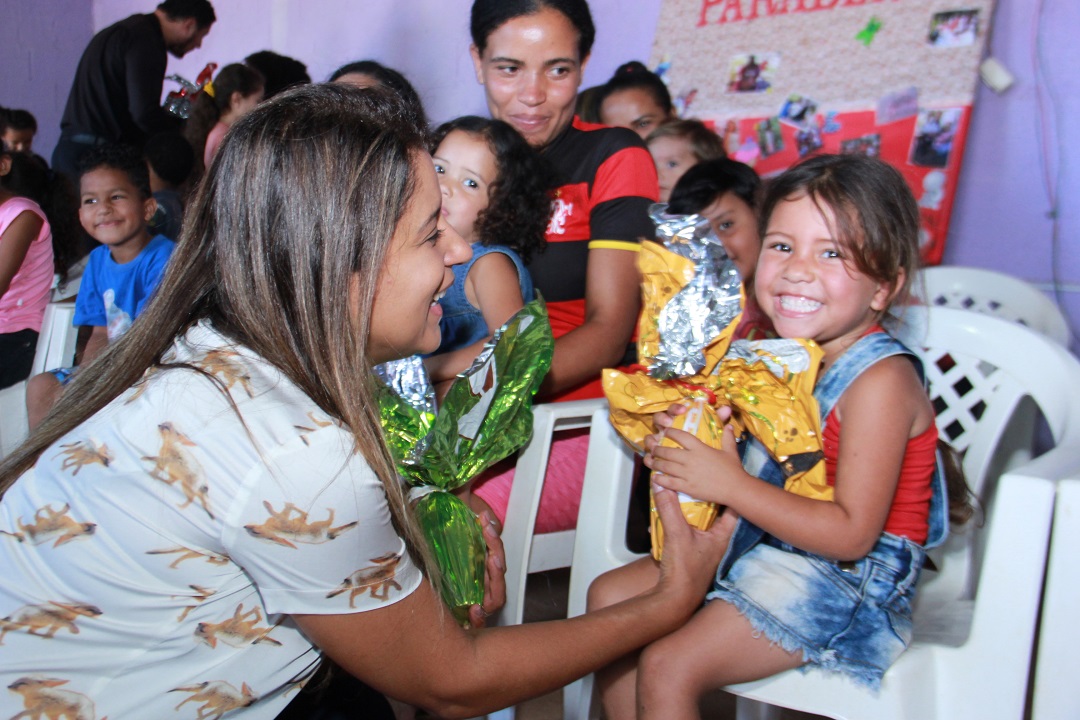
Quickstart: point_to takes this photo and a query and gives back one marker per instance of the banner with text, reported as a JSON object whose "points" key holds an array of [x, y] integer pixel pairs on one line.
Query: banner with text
{"points": [[780, 79]]}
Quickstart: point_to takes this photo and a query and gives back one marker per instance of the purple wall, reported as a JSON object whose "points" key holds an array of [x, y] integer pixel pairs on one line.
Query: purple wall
{"points": [[40, 45], [1000, 220]]}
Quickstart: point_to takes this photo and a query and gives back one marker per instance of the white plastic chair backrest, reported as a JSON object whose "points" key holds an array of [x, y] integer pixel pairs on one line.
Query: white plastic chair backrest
{"points": [[14, 424], [1054, 689], [56, 343], [55, 348], [993, 293], [70, 287], [526, 552], [987, 376], [600, 544]]}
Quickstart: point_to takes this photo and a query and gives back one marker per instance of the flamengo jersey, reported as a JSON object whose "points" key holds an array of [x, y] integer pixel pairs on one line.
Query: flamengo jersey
{"points": [[607, 180]]}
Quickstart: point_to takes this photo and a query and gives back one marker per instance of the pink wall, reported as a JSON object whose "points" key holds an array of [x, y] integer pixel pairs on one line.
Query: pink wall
{"points": [[1000, 220]]}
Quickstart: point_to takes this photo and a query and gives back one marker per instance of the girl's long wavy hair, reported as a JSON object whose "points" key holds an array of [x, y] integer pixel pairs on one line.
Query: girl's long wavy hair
{"points": [[300, 203]]}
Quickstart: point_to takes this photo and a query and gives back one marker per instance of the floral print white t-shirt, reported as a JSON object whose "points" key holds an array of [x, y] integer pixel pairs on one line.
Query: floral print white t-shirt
{"points": [[149, 562]]}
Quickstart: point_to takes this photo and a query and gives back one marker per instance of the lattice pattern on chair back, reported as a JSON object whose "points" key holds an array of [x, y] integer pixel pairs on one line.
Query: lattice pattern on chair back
{"points": [[960, 389], [979, 378], [965, 299], [989, 381]]}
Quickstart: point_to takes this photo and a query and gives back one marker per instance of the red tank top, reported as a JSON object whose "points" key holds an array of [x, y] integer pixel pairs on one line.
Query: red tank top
{"points": [[909, 515]]}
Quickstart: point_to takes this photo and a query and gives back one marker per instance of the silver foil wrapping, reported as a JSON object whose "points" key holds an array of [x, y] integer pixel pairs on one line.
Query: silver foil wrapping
{"points": [[700, 311]]}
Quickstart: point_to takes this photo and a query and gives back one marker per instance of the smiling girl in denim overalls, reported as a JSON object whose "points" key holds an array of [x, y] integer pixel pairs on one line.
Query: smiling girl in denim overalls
{"points": [[809, 582]]}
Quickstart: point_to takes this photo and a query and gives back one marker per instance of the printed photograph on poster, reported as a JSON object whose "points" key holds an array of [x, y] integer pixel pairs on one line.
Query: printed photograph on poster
{"points": [[935, 131], [770, 138], [808, 138], [954, 28], [752, 72], [797, 110], [832, 124], [748, 152], [868, 145], [681, 102], [897, 106], [933, 184], [730, 136]]}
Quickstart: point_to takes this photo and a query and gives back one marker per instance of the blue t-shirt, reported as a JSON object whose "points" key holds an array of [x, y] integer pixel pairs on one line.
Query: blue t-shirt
{"points": [[462, 324], [112, 295]]}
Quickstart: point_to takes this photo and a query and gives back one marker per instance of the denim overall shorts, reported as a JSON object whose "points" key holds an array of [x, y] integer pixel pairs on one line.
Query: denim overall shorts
{"points": [[852, 618], [462, 324]]}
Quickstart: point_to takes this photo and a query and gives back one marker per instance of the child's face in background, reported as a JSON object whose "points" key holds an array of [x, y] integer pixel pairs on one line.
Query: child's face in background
{"points": [[806, 283], [735, 223], [18, 140], [465, 167], [673, 157], [632, 108], [415, 274], [114, 212]]}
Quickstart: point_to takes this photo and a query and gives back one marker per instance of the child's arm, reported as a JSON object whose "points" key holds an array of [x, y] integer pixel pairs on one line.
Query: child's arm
{"points": [[14, 243], [492, 285], [98, 341], [881, 410]]}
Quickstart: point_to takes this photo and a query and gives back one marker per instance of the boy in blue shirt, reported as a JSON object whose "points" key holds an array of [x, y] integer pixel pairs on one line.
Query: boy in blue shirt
{"points": [[115, 206]]}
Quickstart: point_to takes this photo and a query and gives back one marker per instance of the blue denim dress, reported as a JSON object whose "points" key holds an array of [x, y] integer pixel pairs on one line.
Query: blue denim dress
{"points": [[462, 324], [853, 618]]}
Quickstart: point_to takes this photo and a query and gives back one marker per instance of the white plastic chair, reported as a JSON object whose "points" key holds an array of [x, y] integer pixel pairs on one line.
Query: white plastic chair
{"points": [[70, 288], [527, 553], [994, 293], [14, 424], [1055, 693], [55, 348], [601, 533], [975, 619]]}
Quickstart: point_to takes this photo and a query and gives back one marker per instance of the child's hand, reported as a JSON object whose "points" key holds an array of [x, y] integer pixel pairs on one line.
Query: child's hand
{"points": [[694, 468], [663, 420]]}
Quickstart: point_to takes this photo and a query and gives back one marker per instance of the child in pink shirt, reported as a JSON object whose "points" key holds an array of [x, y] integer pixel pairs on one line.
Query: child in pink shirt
{"points": [[26, 276]]}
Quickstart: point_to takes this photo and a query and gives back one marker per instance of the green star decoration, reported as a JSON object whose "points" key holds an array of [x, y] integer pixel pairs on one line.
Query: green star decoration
{"points": [[866, 35]]}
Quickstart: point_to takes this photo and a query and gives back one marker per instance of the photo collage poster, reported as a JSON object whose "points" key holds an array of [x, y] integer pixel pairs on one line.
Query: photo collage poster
{"points": [[781, 79]]}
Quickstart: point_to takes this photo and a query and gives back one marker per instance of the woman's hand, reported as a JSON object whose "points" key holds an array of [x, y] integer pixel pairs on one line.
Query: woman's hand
{"points": [[691, 556], [453, 673], [494, 574]]}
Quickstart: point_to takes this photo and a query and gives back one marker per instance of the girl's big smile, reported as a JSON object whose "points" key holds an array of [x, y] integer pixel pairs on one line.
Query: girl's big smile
{"points": [[806, 284]]}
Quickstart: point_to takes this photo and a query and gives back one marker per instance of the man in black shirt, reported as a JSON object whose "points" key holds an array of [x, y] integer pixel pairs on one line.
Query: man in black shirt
{"points": [[116, 96]]}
